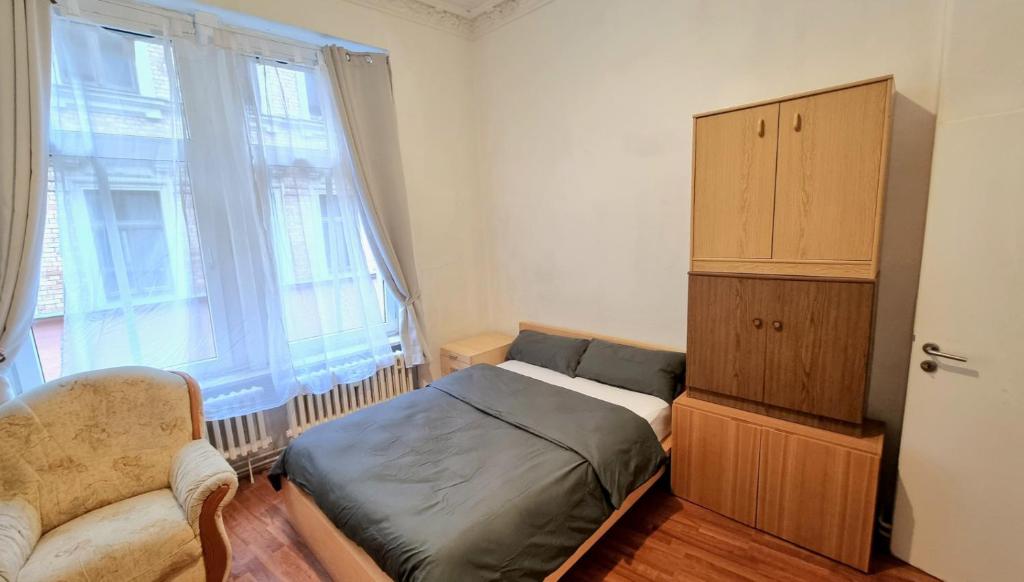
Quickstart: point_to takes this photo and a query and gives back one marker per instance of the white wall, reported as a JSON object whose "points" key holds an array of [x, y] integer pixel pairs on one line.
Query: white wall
{"points": [[434, 98], [585, 136]]}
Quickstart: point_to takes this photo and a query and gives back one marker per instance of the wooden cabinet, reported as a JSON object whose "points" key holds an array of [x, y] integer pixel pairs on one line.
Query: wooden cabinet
{"points": [[795, 186], [488, 348], [734, 183], [810, 486], [726, 336], [827, 191], [818, 494], [819, 336], [798, 344], [787, 207], [718, 469]]}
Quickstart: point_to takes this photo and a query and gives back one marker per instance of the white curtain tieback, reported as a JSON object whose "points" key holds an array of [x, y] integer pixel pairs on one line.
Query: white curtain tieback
{"points": [[411, 300]]}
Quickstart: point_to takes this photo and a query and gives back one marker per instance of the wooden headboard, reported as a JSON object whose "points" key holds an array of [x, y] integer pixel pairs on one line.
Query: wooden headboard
{"points": [[533, 326]]}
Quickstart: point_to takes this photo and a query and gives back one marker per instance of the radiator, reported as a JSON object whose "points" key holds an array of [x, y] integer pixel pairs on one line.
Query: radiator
{"points": [[239, 436], [309, 410]]}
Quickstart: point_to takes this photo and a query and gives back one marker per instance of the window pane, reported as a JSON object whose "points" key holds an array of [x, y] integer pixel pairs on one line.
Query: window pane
{"points": [[121, 234], [325, 257], [147, 259], [141, 205]]}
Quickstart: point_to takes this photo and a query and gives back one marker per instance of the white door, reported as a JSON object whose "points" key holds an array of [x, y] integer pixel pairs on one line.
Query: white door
{"points": [[960, 500]]}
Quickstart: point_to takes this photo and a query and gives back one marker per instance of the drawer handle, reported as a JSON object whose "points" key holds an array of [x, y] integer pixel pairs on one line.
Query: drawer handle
{"points": [[453, 357], [758, 323], [777, 325], [797, 122], [760, 128]]}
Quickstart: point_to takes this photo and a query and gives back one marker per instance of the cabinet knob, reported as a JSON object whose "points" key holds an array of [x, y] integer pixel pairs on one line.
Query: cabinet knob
{"points": [[777, 325], [760, 128], [758, 323], [797, 122]]}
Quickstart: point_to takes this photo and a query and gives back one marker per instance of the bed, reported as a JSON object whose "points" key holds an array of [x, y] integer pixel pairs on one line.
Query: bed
{"points": [[477, 476]]}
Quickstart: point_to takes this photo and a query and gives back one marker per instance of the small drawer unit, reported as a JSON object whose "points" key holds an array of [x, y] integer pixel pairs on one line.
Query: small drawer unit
{"points": [[488, 348]]}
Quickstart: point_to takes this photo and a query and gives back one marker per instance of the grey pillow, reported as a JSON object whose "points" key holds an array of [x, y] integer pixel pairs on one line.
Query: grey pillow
{"points": [[555, 352], [653, 372]]}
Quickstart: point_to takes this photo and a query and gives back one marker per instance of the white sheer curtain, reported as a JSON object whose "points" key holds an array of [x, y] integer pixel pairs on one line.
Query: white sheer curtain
{"points": [[329, 300], [208, 220], [134, 286]]}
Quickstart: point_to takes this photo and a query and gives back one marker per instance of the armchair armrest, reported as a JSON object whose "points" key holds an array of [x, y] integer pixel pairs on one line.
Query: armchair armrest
{"points": [[197, 471], [203, 483], [20, 529]]}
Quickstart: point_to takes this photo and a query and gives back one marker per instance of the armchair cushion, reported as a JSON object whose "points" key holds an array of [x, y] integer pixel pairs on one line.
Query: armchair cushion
{"points": [[19, 531], [197, 471], [144, 537]]}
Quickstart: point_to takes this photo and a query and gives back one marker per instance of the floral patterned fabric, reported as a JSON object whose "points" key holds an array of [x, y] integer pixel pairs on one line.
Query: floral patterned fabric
{"points": [[19, 531], [144, 537], [198, 470], [101, 480], [88, 440]]}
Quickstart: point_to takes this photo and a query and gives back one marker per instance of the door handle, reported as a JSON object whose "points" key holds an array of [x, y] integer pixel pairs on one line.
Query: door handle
{"points": [[777, 325], [798, 122], [760, 128], [758, 323], [934, 350]]}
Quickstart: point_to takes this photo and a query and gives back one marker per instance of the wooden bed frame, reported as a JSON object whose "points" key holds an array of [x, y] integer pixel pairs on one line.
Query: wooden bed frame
{"points": [[345, 561]]}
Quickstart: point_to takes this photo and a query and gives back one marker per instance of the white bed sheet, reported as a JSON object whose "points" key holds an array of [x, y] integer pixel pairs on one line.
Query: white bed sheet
{"points": [[654, 410]]}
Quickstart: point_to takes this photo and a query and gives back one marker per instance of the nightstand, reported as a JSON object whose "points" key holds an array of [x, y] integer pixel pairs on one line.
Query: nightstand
{"points": [[488, 348]]}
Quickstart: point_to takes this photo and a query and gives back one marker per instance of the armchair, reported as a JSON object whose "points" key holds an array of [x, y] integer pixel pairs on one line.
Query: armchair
{"points": [[106, 476]]}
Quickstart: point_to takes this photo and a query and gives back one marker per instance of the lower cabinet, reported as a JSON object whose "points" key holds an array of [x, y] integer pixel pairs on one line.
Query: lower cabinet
{"points": [[719, 469], [810, 486]]}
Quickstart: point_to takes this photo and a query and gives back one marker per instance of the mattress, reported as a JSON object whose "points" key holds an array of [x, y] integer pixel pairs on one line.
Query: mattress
{"points": [[654, 410]]}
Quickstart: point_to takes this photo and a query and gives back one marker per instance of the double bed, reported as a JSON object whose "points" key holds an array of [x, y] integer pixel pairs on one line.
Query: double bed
{"points": [[507, 472]]}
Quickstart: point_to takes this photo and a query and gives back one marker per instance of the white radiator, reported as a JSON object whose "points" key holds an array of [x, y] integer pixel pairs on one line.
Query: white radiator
{"points": [[309, 410], [239, 436]]}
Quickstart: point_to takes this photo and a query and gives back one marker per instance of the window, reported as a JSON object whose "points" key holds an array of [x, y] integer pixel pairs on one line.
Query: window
{"points": [[323, 248], [130, 221], [137, 266]]}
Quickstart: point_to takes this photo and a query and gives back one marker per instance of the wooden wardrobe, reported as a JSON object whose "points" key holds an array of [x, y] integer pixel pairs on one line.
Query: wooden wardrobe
{"points": [[786, 217], [786, 221]]}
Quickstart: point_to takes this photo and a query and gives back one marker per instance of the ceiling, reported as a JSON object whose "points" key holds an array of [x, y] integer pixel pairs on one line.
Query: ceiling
{"points": [[468, 8]]}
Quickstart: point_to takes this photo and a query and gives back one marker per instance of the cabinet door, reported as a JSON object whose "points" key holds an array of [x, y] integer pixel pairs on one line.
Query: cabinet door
{"points": [[714, 462], [830, 159], [818, 495], [819, 335], [725, 337], [734, 183]]}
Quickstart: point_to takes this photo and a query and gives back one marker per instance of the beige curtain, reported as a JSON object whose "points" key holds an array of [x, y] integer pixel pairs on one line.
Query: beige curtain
{"points": [[24, 103], [362, 92]]}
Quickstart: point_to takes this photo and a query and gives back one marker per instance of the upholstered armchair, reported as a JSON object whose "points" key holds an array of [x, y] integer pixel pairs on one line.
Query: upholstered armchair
{"points": [[106, 476]]}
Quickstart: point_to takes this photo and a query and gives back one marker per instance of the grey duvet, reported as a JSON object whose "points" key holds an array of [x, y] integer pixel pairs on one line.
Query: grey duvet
{"points": [[483, 475]]}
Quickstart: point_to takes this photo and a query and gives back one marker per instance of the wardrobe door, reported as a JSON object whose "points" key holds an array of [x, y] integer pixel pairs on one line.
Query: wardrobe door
{"points": [[734, 183], [817, 347], [725, 337], [829, 167]]}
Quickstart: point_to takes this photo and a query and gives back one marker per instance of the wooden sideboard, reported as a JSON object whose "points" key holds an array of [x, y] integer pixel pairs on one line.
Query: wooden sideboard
{"points": [[813, 487]]}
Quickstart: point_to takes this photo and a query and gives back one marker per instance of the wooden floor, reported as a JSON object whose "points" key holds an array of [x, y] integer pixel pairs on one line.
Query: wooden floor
{"points": [[661, 538]]}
